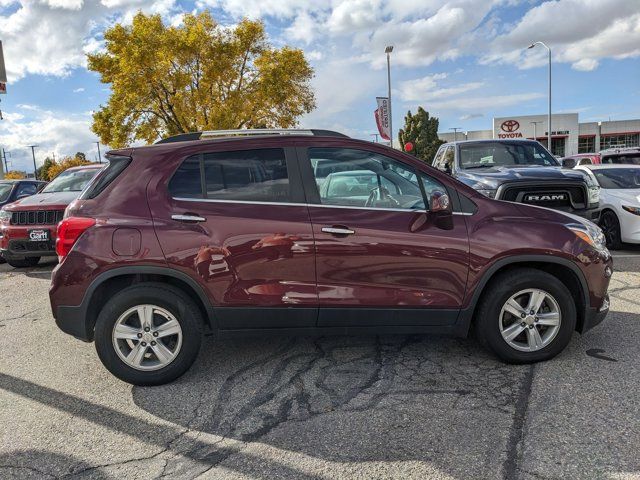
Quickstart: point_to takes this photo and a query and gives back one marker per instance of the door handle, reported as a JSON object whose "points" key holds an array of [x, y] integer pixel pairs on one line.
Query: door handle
{"points": [[188, 218], [338, 230]]}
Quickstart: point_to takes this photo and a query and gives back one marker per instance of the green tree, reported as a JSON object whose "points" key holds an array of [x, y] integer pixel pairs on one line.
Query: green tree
{"points": [[167, 80], [80, 155], [421, 130], [43, 172]]}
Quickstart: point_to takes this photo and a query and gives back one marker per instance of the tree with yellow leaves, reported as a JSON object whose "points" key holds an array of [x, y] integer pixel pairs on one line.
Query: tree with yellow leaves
{"points": [[14, 175], [167, 80], [57, 168]]}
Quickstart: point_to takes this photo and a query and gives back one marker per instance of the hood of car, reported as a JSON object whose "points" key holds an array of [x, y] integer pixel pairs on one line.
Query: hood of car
{"points": [[631, 196], [44, 200], [493, 177]]}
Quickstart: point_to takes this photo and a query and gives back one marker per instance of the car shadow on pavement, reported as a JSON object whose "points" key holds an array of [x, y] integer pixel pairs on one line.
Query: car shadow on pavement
{"points": [[351, 400]]}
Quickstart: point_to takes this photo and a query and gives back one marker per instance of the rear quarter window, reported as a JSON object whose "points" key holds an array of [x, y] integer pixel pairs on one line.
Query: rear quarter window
{"points": [[116, 166]]}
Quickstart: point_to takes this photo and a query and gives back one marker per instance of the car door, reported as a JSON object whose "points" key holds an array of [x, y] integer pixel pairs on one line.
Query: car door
{"points": [[381, 258], [238, 223]]}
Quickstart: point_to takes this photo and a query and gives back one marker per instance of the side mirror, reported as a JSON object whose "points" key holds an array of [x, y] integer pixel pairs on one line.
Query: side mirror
{"points": [[439, 202], [568, 162]]}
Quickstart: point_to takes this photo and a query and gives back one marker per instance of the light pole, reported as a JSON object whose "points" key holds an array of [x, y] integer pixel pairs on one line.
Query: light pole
{"points": [[455, 133], [99, 156], [549, 114], [33, 153], [388, 51], [535, 133], [376, 136]]}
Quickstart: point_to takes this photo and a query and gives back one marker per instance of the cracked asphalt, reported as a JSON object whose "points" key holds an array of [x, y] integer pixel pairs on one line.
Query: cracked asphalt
{"points": [[326, 407]]}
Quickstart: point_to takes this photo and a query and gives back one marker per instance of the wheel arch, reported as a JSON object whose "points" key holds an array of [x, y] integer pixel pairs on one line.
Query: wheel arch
{"points": [[107, 284], [565, 270]]}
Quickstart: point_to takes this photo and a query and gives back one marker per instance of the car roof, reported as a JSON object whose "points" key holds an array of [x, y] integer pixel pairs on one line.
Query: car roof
{"points": [[86, 167], [493, 140], [18, 180], [609, 166]]}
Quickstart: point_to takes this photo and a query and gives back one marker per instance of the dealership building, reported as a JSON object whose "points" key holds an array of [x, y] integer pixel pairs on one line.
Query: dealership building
{"points": [[568, 135]]}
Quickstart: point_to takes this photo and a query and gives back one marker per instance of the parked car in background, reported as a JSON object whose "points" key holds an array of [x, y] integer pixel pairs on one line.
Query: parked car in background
{"points": [[12, 190], [520, 171], [618, 156], [581, 159], [28, 226], [153, 254], [619, 200]]}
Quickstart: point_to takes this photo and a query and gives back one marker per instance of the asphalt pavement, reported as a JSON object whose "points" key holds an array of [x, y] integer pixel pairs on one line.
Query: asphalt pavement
{"points": [[322, 407]]}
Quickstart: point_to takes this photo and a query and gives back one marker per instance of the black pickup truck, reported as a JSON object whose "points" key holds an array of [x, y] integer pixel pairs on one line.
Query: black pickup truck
{"points": [[520, 171]]}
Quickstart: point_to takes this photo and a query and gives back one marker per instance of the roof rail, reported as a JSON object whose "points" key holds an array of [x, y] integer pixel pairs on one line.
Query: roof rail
{"points": [[208, 134]]}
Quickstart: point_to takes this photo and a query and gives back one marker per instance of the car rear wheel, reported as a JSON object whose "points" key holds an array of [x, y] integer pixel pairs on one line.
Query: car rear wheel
{"points": [[611, 228], [149, 334], [23, 262], [526, 316]]}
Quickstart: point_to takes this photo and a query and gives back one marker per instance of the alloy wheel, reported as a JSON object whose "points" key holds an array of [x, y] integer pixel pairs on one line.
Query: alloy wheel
{"points": [[530, 320], [147, 337]]}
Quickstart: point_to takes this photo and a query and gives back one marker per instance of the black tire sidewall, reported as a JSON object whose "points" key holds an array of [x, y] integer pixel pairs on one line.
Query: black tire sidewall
{"points": [[165, 296], [618, 242], [504, 287]]}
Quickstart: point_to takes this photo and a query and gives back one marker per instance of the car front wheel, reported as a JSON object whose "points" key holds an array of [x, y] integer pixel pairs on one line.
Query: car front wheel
{"points": [[526, 316], [611, 228], [148, 334]]}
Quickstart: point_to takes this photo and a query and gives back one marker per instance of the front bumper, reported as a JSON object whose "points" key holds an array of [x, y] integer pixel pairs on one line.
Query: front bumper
{"points": [[15, 242], [595, 316]]}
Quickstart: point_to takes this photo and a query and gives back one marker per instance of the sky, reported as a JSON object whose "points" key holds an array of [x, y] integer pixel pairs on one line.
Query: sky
{"points": [[464, 61]]}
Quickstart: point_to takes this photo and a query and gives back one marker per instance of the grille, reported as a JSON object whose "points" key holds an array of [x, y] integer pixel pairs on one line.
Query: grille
{"points": [[37, 217], [575, 195]]}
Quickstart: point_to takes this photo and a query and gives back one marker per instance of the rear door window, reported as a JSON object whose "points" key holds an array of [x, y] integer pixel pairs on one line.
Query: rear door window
{"points": [[247, 175]]}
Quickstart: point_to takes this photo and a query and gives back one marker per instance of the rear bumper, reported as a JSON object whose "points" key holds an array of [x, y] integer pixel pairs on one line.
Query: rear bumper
{"points": [[72, 320]]}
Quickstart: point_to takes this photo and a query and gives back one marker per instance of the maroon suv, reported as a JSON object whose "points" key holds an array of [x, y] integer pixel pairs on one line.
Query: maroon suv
{"points": [[311, 232]]}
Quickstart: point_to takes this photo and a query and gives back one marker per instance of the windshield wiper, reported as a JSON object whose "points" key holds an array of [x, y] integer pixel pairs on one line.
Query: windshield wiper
{"points": [[478, 166]]}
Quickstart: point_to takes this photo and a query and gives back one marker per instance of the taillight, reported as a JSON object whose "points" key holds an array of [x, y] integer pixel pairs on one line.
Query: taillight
{"points": [[69, 230]]}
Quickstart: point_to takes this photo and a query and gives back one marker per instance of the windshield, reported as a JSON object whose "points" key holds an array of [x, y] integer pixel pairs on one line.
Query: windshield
{"points": [[618, 178], [5, 191], [494, 154], [71, 181]]}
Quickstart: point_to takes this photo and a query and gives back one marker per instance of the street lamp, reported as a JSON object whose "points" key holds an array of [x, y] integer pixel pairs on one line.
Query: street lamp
{"points": [[375, 135], [33, 153], [535, 124], [455, 133], [388, 51], [549, 114]]}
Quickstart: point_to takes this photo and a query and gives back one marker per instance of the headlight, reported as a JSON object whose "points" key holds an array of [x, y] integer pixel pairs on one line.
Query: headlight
{"points": [[594, 194], [590, 233], [5, 217], [634, 210], [487, 193]]}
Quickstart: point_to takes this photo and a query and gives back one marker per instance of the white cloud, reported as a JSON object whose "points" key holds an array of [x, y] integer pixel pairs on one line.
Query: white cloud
{"points": [[589, 31], [485, 102], [61, 133], [428, 88], [78, 90], [51, 37], [471, 116]]}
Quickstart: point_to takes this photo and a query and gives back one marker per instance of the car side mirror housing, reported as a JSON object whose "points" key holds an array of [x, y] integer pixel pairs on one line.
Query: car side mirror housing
{"points": [[439, 202], [568, 162]]}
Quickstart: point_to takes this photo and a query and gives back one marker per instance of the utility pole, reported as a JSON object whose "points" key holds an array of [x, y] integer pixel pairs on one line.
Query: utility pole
{"points": [[455, 133], [33, 154], [4, 154], [99, 155], [549, 113], [388, 51], [375, 135]]}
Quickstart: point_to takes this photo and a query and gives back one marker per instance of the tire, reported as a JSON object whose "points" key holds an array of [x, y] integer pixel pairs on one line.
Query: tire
{"points": [[23, 262], [611, 227], [490, 317], [169, 304]]}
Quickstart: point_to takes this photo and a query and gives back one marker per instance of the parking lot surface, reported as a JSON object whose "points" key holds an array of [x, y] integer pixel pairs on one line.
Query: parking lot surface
{"points": [[324, 407]]}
